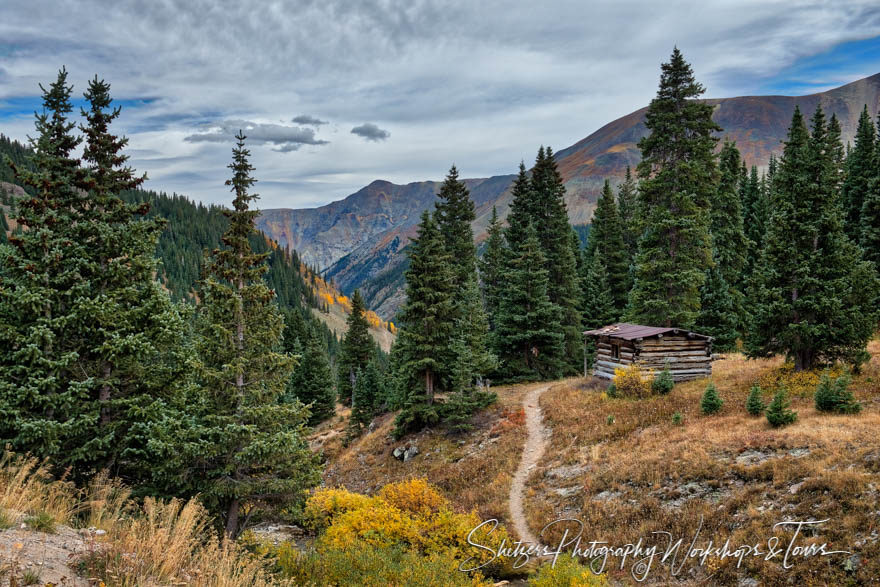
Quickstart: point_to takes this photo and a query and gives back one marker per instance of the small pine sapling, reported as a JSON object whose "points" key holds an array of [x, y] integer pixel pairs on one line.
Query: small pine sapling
{"points": [[754, 404], [711, 402], [664, 382], [778, 413], [834, 396]]}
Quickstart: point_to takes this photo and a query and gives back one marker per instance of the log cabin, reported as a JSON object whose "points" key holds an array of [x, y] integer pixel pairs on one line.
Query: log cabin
{"points": [[688, 354]]}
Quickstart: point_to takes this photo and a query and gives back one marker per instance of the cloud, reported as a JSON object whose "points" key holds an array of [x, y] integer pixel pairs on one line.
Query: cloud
{"points": [[370, 132], [308, 120], [500, 76], [285, 138]]}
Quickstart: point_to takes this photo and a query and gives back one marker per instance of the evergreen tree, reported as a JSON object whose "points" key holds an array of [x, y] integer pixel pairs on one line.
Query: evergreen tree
{"points": [[755, 196], [861, 172], [39, 408], [111, 342], [523, 209], [599, 308], [492, 267], [241, 448], [530, 342], [627, 206], [427, 326], [369, 394], [870, 223], [554, 235], [812, 295], [454, 214], [778, 412], [835, 396], [312, 380], [133, 343], [4, 227], [754, 404], [606, 242], [711, 402], [356, 349], [678, 175], [718, 316], [473, 360], [728, 235]]}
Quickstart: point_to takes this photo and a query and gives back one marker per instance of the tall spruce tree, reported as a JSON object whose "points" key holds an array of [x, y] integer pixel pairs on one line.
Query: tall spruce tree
{"points": [[109, 350], [356, 349], [754, 196], [492, 267], [312, 380], [243, 449], [627, 207], [813, 296], [453, 214], [530, 342], [39, 408], [473, 359], [606, 242], [134, 346], [861, 172], [423, 355], [550, 220], [678, 176], [869, 216], [4, 227]]}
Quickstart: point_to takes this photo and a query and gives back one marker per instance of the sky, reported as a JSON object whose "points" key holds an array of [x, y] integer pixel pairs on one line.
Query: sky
{"points": [[334, 94]]}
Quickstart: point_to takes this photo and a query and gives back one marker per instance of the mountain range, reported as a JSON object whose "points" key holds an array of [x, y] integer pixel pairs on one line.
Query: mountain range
{"points": [[358, 241]]}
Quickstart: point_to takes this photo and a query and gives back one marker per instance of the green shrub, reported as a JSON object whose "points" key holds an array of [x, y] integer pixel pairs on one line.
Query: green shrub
{"points": [[778, 413], [612, 391], [41, 522], [677, 418], [754, 404], [568, 572], [711, 402], [609, 420], [834, 396], [664, 382], [365, 564]]}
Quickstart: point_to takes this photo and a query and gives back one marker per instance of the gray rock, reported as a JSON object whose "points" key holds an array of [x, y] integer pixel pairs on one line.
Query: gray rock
{"points": [[398, 452], [799, 452], [795, 488], [410, 453], [606, 495], [568, 491], [748, 582], [852, 564]]}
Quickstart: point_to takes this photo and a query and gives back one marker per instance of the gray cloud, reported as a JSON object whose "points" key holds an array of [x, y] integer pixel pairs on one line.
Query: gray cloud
{"points": [[308, 120], [286, 138], [500, 76], [370, 132]]}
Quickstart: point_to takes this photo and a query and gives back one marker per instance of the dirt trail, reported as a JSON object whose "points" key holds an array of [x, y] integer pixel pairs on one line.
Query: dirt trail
{"points": [[536, 443]]}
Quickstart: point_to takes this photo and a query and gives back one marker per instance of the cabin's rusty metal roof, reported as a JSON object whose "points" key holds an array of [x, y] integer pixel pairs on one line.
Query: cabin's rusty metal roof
{"points": [[628, 331]]}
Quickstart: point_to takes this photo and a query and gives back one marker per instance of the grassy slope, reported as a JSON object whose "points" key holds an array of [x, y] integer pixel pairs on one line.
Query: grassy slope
{"points": [[643, 473]]}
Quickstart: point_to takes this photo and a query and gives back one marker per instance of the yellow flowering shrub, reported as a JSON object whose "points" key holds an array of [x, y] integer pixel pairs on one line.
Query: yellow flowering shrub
{"points": [[798, 383], [325, 504], [416, 496], [632, 382], [410, 515]]}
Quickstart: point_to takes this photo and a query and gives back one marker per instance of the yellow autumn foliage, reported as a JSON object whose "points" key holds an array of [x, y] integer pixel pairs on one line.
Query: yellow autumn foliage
{"points": [[798, 383], [632, 382], [410, 515]]}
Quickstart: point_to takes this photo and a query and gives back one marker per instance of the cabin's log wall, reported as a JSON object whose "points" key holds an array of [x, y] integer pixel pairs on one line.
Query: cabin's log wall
{"points": [[687, 358]]}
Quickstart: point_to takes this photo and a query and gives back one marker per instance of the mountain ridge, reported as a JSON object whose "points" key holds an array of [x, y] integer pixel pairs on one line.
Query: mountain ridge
{"points": [[356, 239]]}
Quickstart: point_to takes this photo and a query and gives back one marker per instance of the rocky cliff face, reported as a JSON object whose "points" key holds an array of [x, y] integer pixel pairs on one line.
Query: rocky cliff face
{"points": [[358, 240]]}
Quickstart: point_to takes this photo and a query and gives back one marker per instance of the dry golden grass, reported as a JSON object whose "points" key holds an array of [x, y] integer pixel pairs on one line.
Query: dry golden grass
{"points": [[474, 470], [734, 470], [157, 543]]}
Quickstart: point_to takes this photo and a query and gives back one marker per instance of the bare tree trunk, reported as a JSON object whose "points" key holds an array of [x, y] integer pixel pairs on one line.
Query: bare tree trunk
{"points": [[232, 519]]}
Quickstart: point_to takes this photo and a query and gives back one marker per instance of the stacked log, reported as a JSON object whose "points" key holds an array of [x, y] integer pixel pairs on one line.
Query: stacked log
{"points": [[686, 357]]}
